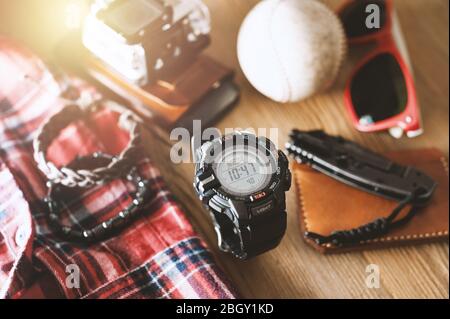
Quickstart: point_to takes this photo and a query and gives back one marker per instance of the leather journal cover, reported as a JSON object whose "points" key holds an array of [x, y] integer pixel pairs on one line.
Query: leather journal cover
{"points": [[327, 205]]}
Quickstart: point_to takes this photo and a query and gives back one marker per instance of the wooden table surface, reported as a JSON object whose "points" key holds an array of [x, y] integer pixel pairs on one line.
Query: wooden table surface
{"points": [[294, 270]]}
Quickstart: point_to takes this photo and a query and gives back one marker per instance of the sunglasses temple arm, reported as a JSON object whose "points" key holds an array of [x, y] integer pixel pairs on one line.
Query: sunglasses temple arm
{"points": [[399, 39]]}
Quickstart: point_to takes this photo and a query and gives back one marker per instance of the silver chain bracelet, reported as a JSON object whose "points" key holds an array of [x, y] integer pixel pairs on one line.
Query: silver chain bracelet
{"points": [[69, 177]]}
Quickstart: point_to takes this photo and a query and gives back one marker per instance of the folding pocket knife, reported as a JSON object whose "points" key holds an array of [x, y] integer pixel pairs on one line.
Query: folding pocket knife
{"points": [[354, 165]]}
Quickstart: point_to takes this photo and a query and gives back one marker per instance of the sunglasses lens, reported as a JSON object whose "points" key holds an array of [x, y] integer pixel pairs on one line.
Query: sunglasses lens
{"points": [[378, 90], [355, 18]]}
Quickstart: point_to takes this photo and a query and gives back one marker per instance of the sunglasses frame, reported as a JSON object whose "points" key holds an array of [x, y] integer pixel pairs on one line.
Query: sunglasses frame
{"points": [[409, 121]]}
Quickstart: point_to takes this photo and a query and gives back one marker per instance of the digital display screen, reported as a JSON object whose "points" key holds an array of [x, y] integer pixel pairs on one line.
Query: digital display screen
{"points": [[240, 172], [129, 17], [243, 172]]}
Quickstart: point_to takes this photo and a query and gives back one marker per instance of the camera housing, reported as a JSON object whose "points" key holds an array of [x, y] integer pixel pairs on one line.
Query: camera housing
{"points": [[146, 40]]}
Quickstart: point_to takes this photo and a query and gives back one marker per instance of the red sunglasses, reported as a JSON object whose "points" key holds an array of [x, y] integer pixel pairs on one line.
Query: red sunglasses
{"points": [[380, 94]]}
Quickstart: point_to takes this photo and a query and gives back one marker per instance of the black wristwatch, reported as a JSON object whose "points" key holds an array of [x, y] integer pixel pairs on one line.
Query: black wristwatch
{"points": [[242, 180]]}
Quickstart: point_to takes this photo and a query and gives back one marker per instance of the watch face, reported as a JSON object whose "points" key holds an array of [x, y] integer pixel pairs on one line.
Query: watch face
{"points": [[244, 171]]}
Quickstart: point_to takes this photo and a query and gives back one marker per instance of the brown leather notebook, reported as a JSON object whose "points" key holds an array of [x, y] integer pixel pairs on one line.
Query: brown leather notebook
{"points": [[327, 205]]}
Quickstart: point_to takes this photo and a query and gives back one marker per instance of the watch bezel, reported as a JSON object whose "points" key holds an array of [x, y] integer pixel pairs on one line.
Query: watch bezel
{"points": [[261, 194]]}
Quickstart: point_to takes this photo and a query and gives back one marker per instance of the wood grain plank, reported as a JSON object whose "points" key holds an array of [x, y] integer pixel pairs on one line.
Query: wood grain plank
{"points": [[294, 270]]}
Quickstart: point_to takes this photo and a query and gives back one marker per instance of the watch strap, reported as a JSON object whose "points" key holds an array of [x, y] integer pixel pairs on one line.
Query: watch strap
{"points": [[267, 232], [258, 235]]}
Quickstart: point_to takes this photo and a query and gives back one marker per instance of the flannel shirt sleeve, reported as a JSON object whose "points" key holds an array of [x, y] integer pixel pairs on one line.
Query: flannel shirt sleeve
{"points": [[158, 256], [15, 235]]}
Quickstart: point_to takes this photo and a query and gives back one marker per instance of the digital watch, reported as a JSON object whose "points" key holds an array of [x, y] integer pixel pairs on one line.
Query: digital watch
{"points": [[242, 180]]}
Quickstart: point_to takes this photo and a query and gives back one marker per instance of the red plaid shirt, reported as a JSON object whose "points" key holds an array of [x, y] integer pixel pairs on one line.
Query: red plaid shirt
{"points": [[158, 256]]}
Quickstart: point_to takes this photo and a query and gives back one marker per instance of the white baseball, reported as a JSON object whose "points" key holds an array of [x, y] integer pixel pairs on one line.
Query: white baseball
{"points": [[291, 49]]}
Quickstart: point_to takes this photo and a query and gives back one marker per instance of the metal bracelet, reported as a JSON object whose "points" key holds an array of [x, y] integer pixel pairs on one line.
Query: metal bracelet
{"points": [[106, 228], [82, 177]]}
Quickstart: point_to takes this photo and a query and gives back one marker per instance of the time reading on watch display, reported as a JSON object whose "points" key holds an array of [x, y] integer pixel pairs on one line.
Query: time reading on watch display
{"points": [[243, 171]]}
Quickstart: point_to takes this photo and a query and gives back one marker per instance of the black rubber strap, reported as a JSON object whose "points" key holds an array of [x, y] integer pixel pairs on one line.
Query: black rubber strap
{"points": [[267, 232], [371, 230], [260, 235]]}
